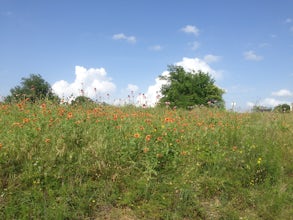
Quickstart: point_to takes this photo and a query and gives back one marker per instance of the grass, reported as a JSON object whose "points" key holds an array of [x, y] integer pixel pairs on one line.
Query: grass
{"points": [[105, 162]]}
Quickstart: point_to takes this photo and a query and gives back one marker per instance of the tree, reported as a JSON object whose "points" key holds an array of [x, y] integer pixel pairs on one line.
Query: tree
{"points": [[32, 88], [184, 89], [82, 100], [282, 108]]}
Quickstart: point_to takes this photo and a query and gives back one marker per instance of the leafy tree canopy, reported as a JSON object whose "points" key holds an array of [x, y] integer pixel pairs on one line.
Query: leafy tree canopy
{"points": [[184, 89], [32, 88], [282, 108], [82, 100]]}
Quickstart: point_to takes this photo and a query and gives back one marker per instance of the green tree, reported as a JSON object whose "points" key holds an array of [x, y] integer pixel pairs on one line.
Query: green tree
{"points": [[34, 88], [184, 89], [82, 100], [282, 108]]}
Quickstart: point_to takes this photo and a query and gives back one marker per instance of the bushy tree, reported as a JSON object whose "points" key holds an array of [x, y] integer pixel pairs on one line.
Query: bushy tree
{"points": [[82, 100], [184, 89], [32, 88], [282, 108]]}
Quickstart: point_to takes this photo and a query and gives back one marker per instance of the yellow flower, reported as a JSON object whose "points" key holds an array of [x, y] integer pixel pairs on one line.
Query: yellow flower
{"points": [[259, 160]]}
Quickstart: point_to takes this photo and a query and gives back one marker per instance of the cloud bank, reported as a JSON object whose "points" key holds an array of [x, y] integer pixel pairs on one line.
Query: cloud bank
{"points": [[89, 82]]}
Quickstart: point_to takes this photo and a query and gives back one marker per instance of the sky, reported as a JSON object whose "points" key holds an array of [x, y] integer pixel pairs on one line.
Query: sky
{"points": [[114, 50]]}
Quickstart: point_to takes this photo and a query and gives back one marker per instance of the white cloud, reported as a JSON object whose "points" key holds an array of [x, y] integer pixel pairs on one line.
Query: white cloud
{"points": [[132, 88], [250, 55], [88, 82], [153, 94], [210, 58], [194, 45], [271, 102], [283, 93], [121, 36], [156, 48], [197, 64], [189, 29]]}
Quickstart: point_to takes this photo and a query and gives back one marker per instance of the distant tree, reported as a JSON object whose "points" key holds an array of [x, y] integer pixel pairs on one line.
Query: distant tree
{"points": [[82, 100], [184, 89], [260, 108], [32, 88], [282, 108]]}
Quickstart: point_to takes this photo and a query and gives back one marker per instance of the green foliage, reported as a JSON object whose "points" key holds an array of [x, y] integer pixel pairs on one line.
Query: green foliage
{"points": [[105, 162], [82, 100], [282, 108], [32, 88], [186, 89]]}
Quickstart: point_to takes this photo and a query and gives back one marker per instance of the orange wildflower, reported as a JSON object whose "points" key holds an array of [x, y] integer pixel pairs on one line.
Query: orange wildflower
{"points": [[169, 120], [25, 120], [136, 135], [148, 137], [69, 115], [47, 140], [183, 153], [43, 106], [1, 145], [146, 149], [159, 139]]}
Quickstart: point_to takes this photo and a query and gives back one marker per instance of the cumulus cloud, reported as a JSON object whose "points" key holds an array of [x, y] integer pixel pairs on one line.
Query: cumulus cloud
{"points": [[190, 29], [271, 102], [89, 82], [121, 36], [251, 55], [132, 88], [283, 93], [210, 58], [153, 94]]}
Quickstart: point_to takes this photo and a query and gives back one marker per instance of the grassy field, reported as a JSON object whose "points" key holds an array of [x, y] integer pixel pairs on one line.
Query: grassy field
{"points": [[103, 162]]}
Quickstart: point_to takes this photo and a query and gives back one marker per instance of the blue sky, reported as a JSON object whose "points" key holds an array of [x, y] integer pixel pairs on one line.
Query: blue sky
{"points": [[118, 46]]}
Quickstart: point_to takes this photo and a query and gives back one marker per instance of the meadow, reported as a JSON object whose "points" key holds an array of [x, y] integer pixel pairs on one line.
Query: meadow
{"points": [[104, 162]]}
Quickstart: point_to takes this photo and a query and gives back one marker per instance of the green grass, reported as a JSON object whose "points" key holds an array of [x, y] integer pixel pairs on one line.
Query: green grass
{"points": [[103, 162]]}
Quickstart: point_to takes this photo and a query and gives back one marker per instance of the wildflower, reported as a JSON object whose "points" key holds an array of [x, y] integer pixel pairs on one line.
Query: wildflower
{"points": [[184, 153], [259, 160], [1, 145], [47, 140], [159, 138], [69, 115], [148, 137], [146, 149], [43, 106], [136, 135], [169, 120], [25, 120]]}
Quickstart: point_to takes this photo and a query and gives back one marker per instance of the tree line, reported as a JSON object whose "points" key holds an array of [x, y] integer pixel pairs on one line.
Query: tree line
{"points": [[183, 89]]}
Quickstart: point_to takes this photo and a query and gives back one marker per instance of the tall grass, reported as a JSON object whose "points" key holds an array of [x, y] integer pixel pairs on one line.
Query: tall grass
{"points": [[105, 162]]}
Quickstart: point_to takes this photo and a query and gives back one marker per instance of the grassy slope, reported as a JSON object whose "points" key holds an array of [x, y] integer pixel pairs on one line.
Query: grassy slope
{"points": [[102, 162]]}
